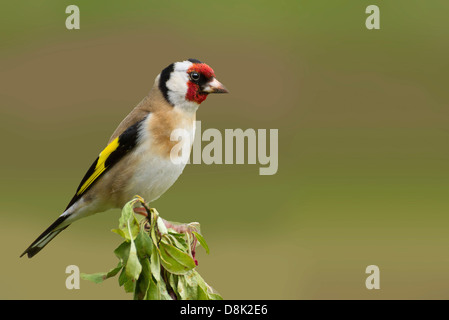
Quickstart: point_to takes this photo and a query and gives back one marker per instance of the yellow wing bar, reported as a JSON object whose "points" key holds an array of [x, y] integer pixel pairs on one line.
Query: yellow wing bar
{"points": [[100, 167]]}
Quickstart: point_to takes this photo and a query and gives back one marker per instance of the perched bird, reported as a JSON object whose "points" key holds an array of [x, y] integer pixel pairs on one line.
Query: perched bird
{"points": [[138, 158]]}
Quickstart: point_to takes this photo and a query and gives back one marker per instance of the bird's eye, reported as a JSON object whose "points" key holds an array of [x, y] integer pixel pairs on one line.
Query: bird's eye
{"points": [[195, 76]]}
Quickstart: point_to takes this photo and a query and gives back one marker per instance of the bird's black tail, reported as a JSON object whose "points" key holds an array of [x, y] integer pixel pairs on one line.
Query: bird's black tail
{"points": [[46, 236]]}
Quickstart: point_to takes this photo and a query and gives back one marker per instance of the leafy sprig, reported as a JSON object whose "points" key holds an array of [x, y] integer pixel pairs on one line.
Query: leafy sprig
{"points": [[157, 262]]}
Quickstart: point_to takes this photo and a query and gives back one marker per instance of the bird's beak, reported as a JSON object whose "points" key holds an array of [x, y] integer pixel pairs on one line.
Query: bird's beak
{"points": [[214, 86]]}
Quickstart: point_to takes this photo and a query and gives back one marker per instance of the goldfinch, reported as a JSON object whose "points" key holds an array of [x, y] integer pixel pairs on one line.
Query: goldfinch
{"points": [[138, 157]]}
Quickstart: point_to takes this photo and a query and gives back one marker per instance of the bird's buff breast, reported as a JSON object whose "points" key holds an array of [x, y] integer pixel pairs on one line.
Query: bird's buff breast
{"points": [[156, 166], [153, 176]]}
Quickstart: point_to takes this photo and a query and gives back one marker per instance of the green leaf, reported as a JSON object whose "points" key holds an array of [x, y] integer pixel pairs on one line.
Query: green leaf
{"points": [[154, 238], [181, 288], [205, 292], [94, 277], [172, 281], [113, 272], [133, 266], [202, 294], [188, 286], [122, 252], [144, 245], [180, 256], [155, 265], [143, 282], [201, 241], [119, 232], [215, 296], [174, 260], [128, 224], [101, 276], [163, 290], [161, 226], [129, 286], [178, 240], [126, 282], [153, 292], [122, 278]]}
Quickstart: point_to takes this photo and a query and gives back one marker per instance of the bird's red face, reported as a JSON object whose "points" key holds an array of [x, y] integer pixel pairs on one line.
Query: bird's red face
{"points": [[199, 73], [190, 81], [202, 82]]}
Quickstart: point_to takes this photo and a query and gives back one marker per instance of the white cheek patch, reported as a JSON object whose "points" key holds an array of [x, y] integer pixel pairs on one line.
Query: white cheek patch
{"points": [[177, 84]]}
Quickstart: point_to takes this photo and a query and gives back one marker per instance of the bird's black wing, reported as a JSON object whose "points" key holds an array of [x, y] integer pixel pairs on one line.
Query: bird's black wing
{"points": [[115, 150]]}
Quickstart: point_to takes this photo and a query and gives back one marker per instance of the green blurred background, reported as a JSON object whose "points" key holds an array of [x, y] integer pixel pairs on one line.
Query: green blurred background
{"points": [[363, 142]]}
